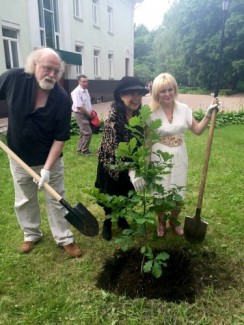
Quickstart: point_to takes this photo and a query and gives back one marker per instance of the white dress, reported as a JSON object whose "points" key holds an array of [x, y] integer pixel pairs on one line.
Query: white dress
{"points": [[182, 120]]}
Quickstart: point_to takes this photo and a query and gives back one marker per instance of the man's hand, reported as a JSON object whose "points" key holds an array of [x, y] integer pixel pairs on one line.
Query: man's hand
{"points": [[138, 182], [45, 177]]}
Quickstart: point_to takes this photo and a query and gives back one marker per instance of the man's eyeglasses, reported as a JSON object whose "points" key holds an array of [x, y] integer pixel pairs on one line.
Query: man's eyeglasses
{"points": [[48, 69]]}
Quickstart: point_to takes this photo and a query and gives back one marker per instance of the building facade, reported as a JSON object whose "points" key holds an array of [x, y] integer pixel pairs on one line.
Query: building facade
{"points": [[93, 37]]}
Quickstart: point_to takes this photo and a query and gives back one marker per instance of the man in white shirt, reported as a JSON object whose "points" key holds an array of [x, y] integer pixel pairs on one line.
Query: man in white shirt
{"points": [[82, 108]]}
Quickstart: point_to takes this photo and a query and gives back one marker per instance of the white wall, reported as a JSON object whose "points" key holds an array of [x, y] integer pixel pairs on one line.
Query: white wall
{"points": [[120, 42], [14, 15], [23, 15]]}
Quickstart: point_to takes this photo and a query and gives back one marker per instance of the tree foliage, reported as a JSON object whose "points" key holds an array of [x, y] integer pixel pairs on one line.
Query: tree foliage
{"points": [[140, 208], [187, 44]]}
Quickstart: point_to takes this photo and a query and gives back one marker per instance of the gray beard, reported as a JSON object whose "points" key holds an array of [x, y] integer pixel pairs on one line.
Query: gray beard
{"points": [[46, 85]]}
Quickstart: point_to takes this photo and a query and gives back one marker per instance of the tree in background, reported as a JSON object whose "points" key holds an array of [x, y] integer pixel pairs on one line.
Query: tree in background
{"points": [[187, 44], [144, 67]]}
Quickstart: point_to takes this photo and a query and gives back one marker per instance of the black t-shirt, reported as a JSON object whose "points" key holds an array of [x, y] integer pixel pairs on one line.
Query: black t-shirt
{"points": [[31, 132]]}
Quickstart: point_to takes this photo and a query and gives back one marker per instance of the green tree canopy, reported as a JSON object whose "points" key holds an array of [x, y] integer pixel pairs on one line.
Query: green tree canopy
{"points": [[187, 44]]}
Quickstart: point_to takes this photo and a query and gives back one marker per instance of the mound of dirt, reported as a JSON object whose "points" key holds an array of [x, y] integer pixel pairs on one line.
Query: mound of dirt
{"points": [[182, 280]]}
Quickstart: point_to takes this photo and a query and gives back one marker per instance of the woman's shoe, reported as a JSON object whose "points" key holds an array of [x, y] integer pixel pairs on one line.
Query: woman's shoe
{"points": [[107, 229], [161, 229], [177, 229]]}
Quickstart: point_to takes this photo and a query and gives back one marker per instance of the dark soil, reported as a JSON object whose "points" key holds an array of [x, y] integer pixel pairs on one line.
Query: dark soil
{"points": [[183, 279]]}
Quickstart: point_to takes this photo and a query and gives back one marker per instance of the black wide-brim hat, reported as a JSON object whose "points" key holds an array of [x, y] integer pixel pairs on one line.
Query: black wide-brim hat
{"points": [[129, 84]]}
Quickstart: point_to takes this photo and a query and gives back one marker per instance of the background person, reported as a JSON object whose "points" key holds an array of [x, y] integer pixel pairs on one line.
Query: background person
{"points": [[82, 108], [176, 118], [39, 112], [149, 86], [127, 102]]}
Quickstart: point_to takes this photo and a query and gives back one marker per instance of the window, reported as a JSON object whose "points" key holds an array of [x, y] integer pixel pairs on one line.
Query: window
{"points": [[10, 44], [110, 66], [127, 66], [49, 23], [79, 68], [95, 19], [96, 63], [77, 9], [110, 19]]}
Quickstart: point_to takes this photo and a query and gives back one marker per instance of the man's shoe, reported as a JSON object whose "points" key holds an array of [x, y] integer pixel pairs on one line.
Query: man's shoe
{"points": [[72, 250], [87, 153], [26, 247], [107, 229], [122, 223]]}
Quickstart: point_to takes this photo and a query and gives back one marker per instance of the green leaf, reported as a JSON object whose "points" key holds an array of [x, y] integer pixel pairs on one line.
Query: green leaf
{"points": [[143, 249], [147, 267], [163, 256], [157, 270], [134, 121]]}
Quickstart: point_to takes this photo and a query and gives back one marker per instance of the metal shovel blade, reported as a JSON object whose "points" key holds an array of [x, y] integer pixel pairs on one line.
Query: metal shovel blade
{"points": [[82, 220], [195, 229]]}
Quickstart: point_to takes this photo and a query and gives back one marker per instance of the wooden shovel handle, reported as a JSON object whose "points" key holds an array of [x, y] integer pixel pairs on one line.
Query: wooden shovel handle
{"points": [[206, 159], [30, 171]]}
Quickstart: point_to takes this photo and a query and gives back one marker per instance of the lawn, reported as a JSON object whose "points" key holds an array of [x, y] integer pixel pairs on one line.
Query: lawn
{"points": [[47, 287]]}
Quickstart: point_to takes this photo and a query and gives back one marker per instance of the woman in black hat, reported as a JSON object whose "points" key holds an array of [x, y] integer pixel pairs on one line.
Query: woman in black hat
{"points": [[127, 102]]}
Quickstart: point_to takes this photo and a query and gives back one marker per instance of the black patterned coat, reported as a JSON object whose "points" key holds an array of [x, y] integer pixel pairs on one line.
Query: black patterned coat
{"points": [[108, 180]]}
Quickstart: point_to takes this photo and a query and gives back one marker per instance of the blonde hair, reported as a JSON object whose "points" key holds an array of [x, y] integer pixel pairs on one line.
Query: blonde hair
{"points": [[161, 81], [36, 55]]}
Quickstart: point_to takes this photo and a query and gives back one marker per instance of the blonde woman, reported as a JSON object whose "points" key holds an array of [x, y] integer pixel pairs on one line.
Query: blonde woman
{"points": [[176, 118]]}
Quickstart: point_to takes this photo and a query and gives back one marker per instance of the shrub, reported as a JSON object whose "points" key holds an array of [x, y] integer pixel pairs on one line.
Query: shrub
{"points": [[141, 207], [223, 118]]}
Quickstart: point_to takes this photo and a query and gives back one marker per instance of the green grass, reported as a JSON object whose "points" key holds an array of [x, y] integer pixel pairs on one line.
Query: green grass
{"points": [[48, 287]]}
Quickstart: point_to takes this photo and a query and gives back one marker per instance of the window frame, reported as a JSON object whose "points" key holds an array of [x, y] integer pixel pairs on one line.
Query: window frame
{"points": [[77, 6], [10, 61], [96, 63], [79, 68], [110, 65], [55, 28], [95, 13], [110, 19]]}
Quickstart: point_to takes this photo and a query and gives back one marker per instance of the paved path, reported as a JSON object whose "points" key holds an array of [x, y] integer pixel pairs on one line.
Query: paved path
{"points": [[196, 102]]}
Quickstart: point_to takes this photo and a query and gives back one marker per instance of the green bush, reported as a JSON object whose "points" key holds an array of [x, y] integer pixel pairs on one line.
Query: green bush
{"points": [[227, 92], [193, 90], [240, 86], [74, 129], [223, 118]]}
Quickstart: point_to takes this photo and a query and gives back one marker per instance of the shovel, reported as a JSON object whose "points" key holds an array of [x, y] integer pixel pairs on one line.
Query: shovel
{"points": [[79, 216], [194, 228]]}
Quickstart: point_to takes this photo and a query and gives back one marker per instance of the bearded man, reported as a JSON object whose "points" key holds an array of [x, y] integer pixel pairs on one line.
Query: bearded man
{"points": [[39, 113]]}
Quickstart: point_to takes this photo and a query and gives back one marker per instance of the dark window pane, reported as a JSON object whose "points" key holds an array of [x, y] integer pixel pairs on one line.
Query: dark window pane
{"points": [[47, 4], [56, 20], [40, 9], [42, 38], [7, 54], [15, 54], [9, 33], [57, 42], [49, 28]]}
